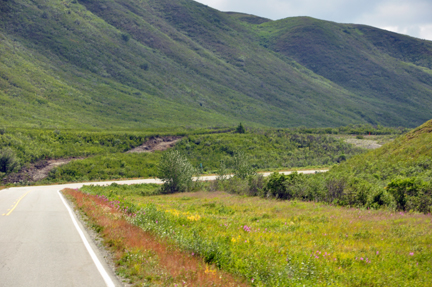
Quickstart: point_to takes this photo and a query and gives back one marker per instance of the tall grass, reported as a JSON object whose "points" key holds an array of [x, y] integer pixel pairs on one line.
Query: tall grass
{"points": [[290, 243]]}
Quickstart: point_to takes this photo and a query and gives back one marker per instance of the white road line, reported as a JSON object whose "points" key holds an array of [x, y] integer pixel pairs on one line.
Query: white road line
{"points": [[98, 264]]}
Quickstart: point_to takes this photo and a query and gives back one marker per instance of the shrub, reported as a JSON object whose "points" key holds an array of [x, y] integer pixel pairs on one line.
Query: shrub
{"points": [[222, 172], [379, 198], [8, 161], [256, 185], [176, 172], [236, 185], [242, 167], [125, 37], [275, 186], [411, 194]]}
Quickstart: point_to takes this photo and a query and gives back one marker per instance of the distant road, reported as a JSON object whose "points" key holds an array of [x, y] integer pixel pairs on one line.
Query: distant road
{"points": [[41, 245]]}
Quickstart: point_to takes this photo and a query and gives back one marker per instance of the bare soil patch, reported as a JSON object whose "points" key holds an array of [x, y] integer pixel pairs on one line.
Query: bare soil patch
{"points": [[37, 171], [156, 143], [367, 144]]}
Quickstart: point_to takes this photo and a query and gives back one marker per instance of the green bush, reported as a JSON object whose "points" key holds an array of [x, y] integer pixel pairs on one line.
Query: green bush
{"points": [[283, 186], [275, 186], [8, 161], [242, 167], [411, 194], [176, 172]]}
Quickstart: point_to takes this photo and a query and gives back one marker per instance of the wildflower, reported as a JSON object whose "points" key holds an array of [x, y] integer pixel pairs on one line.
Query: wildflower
{"points": [[193, 253], [411, 253], [377, 253], [361, 258], [253, 280]]}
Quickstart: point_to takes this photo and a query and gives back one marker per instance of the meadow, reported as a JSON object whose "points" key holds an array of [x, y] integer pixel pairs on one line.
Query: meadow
{"points": [[284, 243]]}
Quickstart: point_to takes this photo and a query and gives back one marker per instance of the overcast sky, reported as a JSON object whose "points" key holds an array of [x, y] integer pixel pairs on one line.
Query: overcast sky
{"points": [[411, 17]]}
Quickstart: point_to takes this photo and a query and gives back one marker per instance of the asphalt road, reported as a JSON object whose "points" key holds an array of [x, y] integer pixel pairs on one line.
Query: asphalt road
{"points": [[43, 244]]}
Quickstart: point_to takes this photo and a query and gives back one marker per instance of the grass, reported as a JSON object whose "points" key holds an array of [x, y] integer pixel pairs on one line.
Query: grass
{"points": [[141, 258], [281, 243]]}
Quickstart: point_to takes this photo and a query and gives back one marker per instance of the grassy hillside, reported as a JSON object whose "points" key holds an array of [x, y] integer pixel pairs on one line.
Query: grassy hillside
{"points": [[397, 176], [399, 172], [412, 151], [128, 63]]}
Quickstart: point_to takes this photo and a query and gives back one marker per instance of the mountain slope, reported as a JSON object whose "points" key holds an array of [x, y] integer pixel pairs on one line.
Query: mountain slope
{"points": [[129, 63], [392, 70]]}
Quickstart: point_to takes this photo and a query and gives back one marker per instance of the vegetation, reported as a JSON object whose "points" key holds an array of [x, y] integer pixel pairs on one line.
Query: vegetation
{"points": [[265, 149], [103, 151], [142, 259], [176, 172], [338, 246], [8, 161], [105, 167], [396, 176], [402, 168], [117, 64]]}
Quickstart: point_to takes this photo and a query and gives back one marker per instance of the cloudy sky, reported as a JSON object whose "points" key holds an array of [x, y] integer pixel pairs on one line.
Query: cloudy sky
{"points": [[411, 17]]}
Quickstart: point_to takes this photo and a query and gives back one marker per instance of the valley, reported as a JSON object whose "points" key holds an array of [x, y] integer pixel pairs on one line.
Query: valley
{"points": [[166, 143]]}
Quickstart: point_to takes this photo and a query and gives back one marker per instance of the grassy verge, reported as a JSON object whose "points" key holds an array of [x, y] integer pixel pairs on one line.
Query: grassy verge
{"points": [[288, 243], [141, 257]]}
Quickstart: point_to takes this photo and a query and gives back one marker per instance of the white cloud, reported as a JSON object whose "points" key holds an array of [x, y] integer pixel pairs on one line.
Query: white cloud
{"points": [[407, 17]]}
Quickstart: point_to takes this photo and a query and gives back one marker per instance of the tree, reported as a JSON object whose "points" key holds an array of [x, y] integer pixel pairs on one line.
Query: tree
{"points": [[240, 129], [176, 172]]}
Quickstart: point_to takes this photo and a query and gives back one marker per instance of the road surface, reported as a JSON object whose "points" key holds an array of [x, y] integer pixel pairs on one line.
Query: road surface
{"points": [[43, 244]]}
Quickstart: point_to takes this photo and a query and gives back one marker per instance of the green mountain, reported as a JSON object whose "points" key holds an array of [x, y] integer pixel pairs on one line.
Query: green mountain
{"points": [[148, 63]]}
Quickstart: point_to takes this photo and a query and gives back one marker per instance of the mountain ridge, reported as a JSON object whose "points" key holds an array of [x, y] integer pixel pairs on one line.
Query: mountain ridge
{"points": [[134, 64]]}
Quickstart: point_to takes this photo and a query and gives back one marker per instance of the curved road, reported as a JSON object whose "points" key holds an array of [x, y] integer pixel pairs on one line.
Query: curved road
{"points": [[43, 244]]}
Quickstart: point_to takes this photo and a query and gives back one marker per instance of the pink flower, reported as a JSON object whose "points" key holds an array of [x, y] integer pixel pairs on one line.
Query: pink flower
{"points": [[377, 252], [411, 253], [361, 258]]}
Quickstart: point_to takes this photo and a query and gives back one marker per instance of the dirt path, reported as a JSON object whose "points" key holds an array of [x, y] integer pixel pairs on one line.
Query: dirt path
{"points": [[154, 144]]}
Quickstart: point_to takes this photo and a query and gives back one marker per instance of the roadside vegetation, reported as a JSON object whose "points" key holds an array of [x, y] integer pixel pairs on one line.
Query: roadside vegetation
{"points": [[340, 228], [259, 239], [142, 258], [100, 155]]}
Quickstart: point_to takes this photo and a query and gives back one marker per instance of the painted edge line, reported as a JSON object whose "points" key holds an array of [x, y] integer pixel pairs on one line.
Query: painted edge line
{"points": [[98, 264]]}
